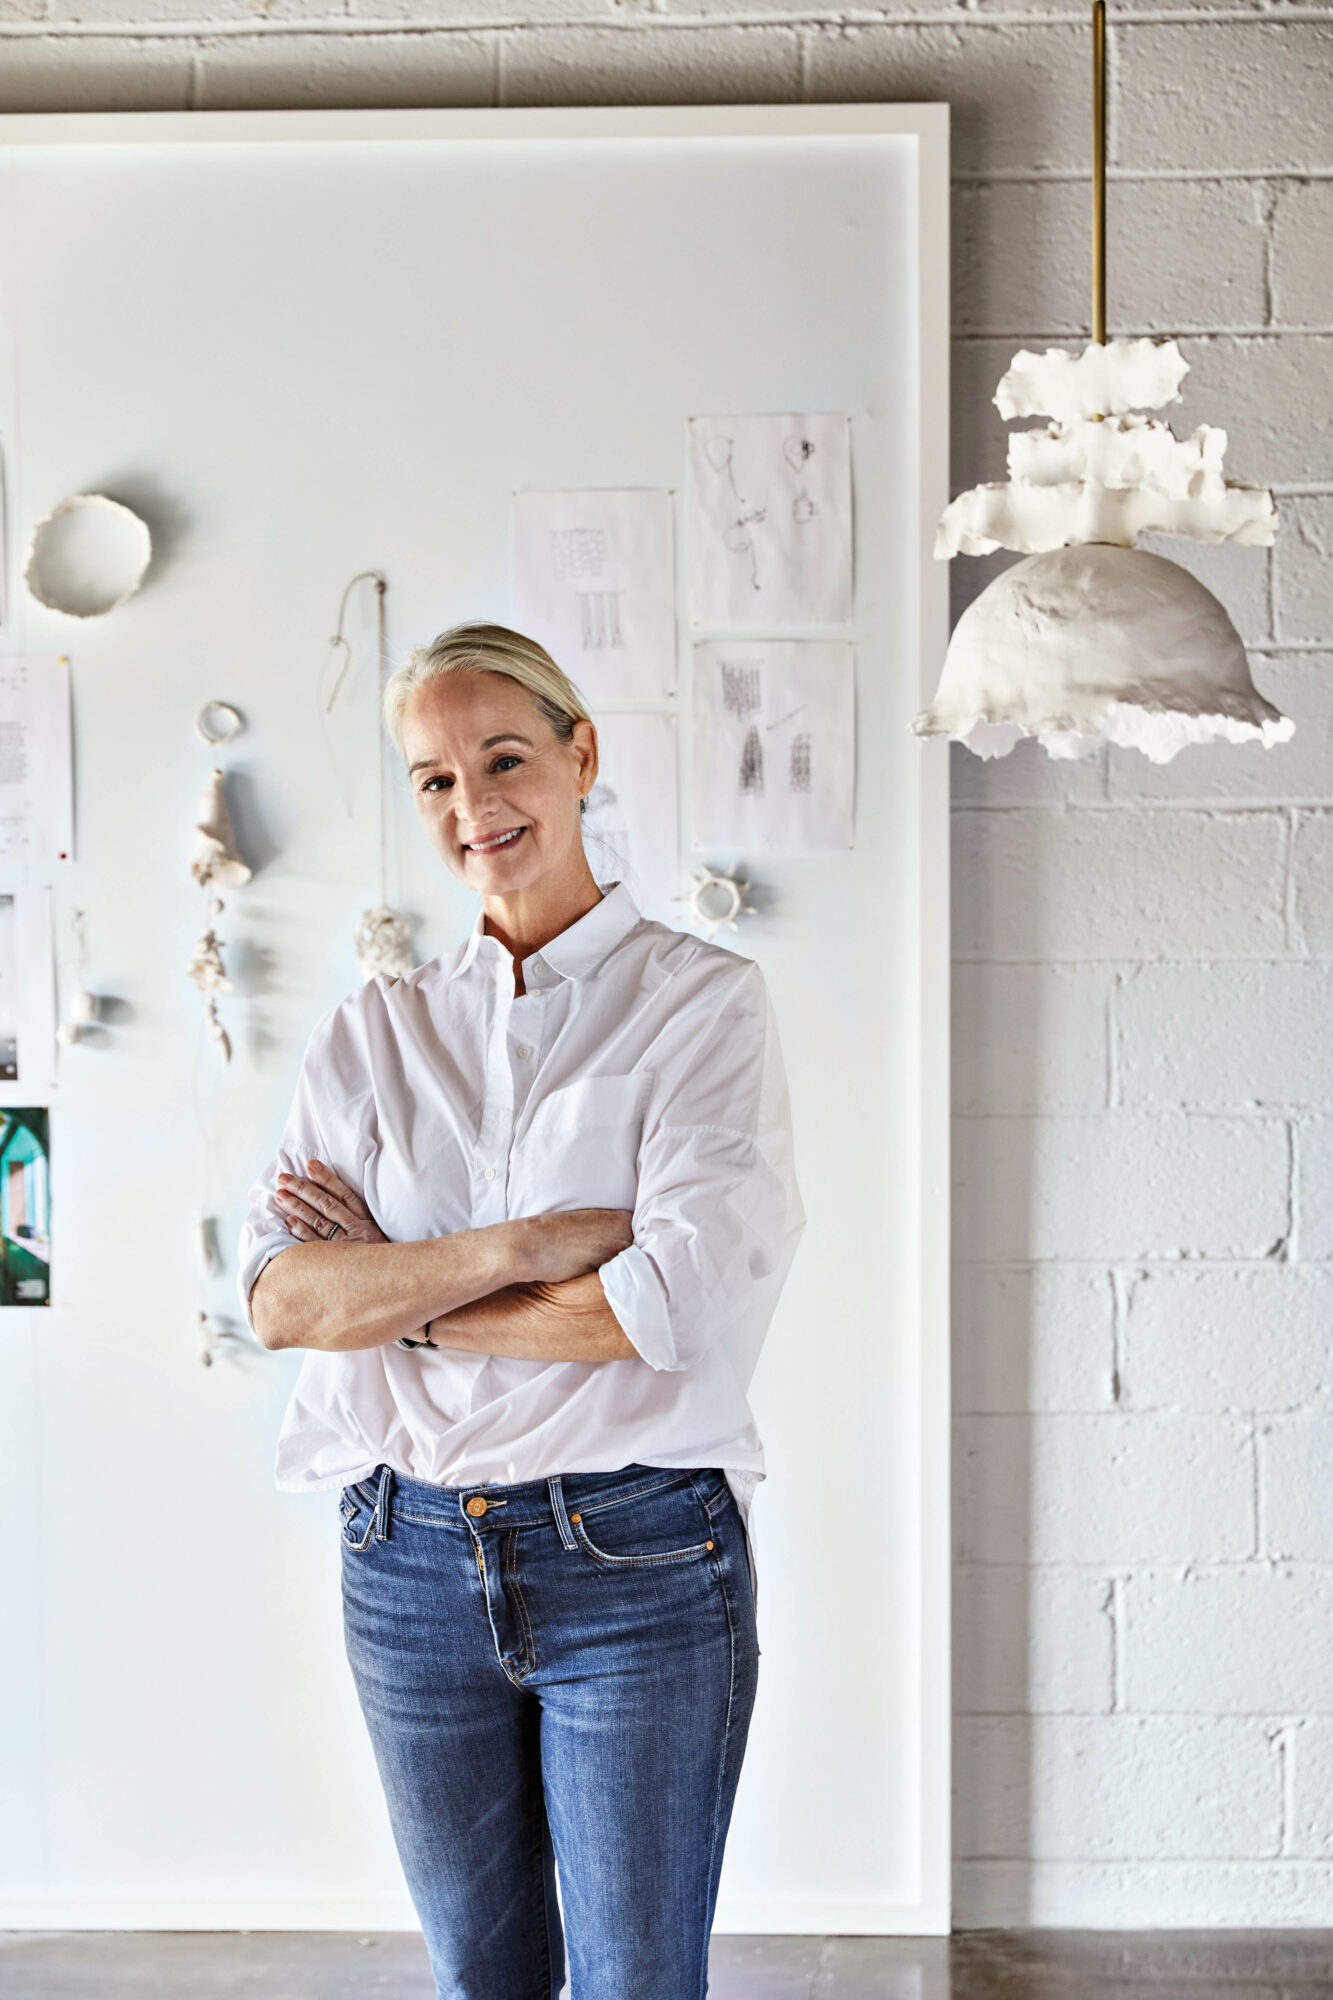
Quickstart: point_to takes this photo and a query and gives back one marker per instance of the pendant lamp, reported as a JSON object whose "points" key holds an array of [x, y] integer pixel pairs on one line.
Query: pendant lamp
{"points": [[1090, 639]]}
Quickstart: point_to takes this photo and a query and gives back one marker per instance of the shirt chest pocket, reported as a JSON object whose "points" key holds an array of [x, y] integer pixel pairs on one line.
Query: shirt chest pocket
{"points": [[581, 1146]]}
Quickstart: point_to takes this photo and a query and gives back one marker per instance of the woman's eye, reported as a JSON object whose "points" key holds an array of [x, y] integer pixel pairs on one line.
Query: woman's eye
{"points": [[436, 781], [506, 757]]}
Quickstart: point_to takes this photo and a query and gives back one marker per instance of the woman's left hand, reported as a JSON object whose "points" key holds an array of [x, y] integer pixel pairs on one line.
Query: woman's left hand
{"points": [[313, 1206]]}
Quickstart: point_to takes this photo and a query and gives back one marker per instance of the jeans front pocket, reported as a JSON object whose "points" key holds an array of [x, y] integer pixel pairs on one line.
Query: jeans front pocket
{"points": [[668, 1524], [356, 1505]]}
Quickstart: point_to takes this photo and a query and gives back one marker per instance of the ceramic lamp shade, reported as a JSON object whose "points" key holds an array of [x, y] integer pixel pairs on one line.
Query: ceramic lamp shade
{"points": [[1093, 644]]}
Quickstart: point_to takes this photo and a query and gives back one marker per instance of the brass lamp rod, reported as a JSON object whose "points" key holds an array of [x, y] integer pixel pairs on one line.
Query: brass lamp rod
{"points": [[1099, 171]]}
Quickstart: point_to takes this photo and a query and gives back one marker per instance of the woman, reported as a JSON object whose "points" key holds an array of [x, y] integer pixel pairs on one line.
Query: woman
{"points": [[530, 1216]]}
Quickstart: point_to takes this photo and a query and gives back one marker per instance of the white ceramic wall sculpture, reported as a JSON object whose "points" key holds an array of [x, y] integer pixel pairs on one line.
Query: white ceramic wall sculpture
{"points": [[87, 556], [1090, 639], [216, 864]]}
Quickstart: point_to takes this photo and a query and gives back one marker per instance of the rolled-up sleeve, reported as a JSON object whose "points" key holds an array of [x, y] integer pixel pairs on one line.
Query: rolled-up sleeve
{"points": [[264, 1231], [718, 1213]]}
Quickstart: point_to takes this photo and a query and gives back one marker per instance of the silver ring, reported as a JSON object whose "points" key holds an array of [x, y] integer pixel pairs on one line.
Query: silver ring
{"points": [[334, 1231]]}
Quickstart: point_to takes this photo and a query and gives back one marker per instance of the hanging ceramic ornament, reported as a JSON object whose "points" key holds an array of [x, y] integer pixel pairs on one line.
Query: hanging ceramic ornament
{"points": [[216, 858], [84, 1007], [383, 944], [383, 936], [1090, 639], [217, 863]]}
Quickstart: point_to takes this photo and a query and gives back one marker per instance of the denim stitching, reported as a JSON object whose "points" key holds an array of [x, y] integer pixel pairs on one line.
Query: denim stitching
{"points": [[542, 1838], [637, 1562], [537, 1521], [529, 1642], [639, 1493], [721, 1766], [364, 1543]]}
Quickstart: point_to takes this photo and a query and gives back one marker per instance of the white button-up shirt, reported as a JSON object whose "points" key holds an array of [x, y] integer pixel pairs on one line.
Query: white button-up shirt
{"points": [[639, 1070]]}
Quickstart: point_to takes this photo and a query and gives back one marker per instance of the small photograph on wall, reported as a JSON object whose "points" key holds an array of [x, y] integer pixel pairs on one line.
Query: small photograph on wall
{"points": [[25, 1206]]}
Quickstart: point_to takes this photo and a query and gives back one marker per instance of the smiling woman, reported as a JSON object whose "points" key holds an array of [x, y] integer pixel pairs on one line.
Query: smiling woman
{"points": [[531, 1215]]}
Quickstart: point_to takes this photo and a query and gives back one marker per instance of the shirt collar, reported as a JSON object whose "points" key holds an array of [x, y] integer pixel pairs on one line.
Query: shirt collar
{"points": [[578, 950]]}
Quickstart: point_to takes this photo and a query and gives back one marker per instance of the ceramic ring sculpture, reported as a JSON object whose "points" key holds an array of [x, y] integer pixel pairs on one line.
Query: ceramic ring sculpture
{"points": [[232, 725], [87, 556]]}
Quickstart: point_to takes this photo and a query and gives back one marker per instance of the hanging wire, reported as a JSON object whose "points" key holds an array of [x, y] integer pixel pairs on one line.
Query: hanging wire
{"points": [[1099, 172], [340, 640]]}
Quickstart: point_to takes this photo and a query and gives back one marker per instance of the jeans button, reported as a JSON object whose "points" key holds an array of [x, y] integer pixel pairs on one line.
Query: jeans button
{"points": [[476, 1505]]}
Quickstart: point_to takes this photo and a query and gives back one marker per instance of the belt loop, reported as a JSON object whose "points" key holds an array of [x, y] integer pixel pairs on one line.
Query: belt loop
{"points": [[557, 1493], [382, 1500]]}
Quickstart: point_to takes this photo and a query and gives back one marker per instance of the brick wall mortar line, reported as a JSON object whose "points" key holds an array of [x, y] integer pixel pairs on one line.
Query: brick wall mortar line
{"points": [[1203, 176], [354, 26], [972, 336], [1290, 925]]}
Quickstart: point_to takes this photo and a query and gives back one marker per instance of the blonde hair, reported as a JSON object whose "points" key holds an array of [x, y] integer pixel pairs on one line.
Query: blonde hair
{"points": [[491, 649]]}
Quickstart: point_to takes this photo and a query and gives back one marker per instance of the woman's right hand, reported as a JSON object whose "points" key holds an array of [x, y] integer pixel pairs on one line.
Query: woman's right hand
{"points": [[566, 1243]]}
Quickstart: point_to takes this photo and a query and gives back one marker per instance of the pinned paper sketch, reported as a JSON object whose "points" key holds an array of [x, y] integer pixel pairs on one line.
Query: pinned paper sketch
{"points": [[36, 786], [773, 744], [27, 994], [593, 581], [770, 521], [631, 830]]}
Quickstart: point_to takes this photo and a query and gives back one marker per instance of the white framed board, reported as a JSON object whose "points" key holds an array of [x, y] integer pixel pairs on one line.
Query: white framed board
{"points": [[303, 345]]}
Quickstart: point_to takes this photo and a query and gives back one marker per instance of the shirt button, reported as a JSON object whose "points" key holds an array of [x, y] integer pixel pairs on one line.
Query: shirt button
{"points": [[476, 1505], [524, 1050], [489, 1174]]}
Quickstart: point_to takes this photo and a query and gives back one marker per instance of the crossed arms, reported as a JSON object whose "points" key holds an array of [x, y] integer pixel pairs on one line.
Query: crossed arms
{"points": [[527, 1288]]}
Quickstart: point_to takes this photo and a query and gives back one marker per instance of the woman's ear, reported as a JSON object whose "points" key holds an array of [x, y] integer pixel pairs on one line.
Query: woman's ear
{"points": [[585, 744]]}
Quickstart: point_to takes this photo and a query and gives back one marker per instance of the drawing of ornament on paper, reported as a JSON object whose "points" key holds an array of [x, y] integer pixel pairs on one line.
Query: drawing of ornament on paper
{"points": [[770, 521], [742, 687], [577, 552], [599, 618], [773, 744], [592, 577], [798, 451]]}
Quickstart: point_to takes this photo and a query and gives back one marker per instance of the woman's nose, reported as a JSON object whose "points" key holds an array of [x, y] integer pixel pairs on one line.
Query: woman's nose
{"points": [[473, 799]]}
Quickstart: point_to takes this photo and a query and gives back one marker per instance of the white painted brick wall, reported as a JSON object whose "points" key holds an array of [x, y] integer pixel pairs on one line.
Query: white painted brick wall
{"points": [[1144, 1293]]}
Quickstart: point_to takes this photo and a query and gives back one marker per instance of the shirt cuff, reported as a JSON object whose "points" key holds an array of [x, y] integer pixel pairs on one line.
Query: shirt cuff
{"points": [[634, 1294], [261, 1252]]}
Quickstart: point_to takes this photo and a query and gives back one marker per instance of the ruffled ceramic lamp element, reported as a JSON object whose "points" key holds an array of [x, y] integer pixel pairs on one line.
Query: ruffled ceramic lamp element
{"points": [[1091, 640], [217, 863]]}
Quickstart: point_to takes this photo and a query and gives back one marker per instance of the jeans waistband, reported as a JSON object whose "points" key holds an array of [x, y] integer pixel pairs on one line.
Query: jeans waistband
{"points": [[526, 1502]]}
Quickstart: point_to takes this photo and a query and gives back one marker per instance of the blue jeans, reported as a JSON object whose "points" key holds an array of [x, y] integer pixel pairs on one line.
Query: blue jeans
{"points": [[559, 1670]]}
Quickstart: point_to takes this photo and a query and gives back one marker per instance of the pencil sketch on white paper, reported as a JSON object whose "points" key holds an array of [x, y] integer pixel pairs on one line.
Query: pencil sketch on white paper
{"points": [[593, 580], [36, 772], [774, 744], [631, 830], [770, 521]]}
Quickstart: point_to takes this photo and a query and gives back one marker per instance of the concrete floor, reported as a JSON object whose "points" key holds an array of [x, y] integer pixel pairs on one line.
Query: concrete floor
{"points": [[999, 1965]]}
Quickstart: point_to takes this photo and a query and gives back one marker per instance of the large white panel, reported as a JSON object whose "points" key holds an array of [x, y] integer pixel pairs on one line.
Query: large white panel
{"points": [[303, 360]]}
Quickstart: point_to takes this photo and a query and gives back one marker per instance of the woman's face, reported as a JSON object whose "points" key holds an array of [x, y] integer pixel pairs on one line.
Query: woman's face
{"points": [[495, 788]]}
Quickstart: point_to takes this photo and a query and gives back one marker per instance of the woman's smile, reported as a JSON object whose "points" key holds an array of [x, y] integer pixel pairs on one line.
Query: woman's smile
{"points": [[492, 841]]}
